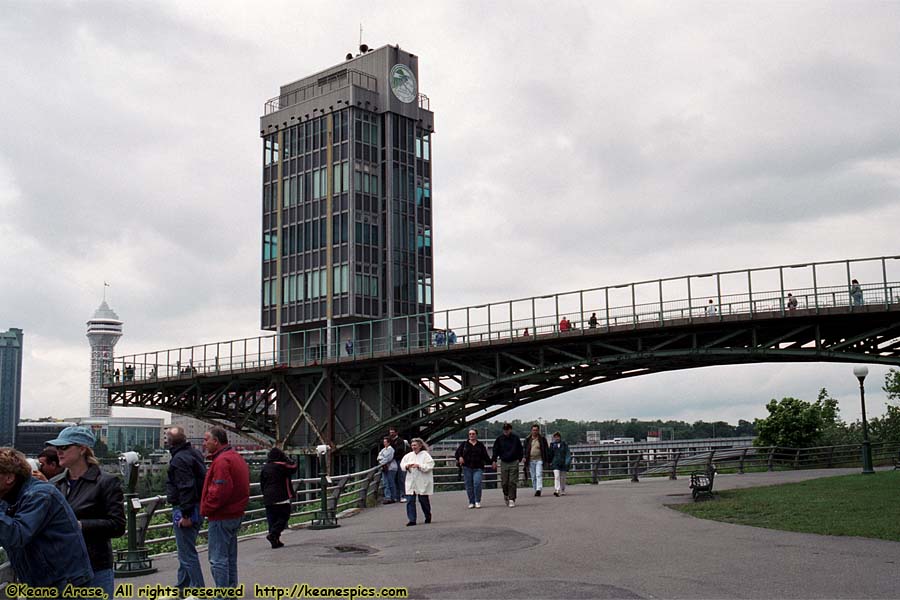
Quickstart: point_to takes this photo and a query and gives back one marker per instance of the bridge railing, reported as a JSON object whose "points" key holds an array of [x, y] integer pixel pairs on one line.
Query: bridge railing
{"points": [[750, 293]]}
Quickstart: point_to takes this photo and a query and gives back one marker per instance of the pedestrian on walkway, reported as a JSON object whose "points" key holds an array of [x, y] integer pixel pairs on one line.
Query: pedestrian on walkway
{"points": [[472, 455], [275, 484], [419, 468], [401, 448], [226, 492], [560, 462], [791, 302], [592, 322], [508, 450], [537, 452], [856, 294], [388, 470], [38, 529], [184, 487]]}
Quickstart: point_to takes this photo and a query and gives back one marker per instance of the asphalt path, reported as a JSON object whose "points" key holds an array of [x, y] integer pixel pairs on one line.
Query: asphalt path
{"points": [[614, 540]]}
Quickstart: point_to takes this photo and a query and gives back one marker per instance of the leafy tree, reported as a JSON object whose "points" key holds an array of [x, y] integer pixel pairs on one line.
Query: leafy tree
{"points": [[791, 423], [887, 428]]}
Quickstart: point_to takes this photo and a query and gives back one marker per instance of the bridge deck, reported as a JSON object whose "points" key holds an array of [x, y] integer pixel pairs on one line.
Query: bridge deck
{"points": [[615, 540]]}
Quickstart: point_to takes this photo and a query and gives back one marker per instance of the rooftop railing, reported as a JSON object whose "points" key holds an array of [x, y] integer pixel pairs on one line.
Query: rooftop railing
{"points": [[706, 298], [323, 85]]}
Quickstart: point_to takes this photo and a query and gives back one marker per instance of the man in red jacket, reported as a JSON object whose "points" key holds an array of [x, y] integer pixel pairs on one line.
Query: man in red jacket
{"points": [[226, 492]]}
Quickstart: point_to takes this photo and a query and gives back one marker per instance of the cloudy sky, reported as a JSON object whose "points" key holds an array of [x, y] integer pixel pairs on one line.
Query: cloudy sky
{"points": [[579, 144]]}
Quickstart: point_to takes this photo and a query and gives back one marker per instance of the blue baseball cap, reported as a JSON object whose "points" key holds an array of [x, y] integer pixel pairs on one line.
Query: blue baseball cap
{"points": [[78, 435]]}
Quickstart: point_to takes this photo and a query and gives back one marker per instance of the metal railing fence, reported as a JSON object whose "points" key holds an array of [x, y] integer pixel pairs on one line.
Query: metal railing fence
{"points": [[704, 298]]}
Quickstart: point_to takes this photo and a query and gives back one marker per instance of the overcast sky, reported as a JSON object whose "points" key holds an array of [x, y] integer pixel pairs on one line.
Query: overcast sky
{"points": [[577, 144]]}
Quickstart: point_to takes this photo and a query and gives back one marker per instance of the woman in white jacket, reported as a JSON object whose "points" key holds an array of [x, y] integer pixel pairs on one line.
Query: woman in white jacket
{"points": [[419, 467]]}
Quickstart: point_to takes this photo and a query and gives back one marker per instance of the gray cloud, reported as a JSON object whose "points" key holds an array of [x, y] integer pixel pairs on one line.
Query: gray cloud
{"points": [[579, 144]]}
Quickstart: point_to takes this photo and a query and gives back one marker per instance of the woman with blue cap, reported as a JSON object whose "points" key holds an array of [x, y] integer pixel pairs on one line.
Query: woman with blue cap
{"points": [[96, 499]]}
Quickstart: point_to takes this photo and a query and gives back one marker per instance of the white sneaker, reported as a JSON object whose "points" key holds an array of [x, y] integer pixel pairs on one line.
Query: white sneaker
{"points": [[512, 503], [478, 505], [471, 506], [403, 499]]}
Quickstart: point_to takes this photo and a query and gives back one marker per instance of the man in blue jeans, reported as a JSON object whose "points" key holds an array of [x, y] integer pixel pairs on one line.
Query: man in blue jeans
{"points": [[226, 492], [184, 486]]}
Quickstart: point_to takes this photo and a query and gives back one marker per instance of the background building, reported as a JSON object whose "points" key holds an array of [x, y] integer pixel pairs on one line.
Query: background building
{"points": [[103, 331], [347, 202], [194, 429], [10, 384], [32, 436], [121, 434]]}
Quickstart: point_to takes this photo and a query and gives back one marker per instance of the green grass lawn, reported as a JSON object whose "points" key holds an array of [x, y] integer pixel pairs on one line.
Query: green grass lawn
{"points": [[859, 505]]}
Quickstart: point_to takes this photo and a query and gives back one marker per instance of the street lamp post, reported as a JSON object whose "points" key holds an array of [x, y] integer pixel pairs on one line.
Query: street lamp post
{"points": [[861, 372]]}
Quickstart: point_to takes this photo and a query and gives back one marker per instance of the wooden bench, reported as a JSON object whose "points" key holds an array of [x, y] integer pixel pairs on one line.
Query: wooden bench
{"points": [[702, 484]]}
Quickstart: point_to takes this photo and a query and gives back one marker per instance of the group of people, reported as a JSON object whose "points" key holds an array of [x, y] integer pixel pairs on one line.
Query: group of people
{"points": [[442, 338], [535, 452], [57, 521], [407, 468]]}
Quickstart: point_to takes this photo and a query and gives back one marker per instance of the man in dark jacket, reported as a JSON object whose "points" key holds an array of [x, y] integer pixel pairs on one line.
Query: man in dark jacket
{"points": [[38, 528], [275, 484], [401, 448], [226, 492], [508, 448], [537, 452], [184, 486]]}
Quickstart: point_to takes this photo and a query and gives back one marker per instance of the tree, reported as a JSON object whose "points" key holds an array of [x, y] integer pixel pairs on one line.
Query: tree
{"points": [[793, 423], [887, 428]]}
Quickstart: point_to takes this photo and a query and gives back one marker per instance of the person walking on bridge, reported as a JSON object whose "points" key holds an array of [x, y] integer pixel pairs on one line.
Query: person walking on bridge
{"points": [[508, 449], [537, 452], [472, 456]]}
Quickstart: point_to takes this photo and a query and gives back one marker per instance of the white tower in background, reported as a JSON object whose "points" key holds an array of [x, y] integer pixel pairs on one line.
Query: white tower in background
{"points": [[103, 331]]}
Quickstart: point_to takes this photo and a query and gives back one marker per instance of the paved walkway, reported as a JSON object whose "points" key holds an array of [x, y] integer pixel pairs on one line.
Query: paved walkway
{"points": [[614, 540]]}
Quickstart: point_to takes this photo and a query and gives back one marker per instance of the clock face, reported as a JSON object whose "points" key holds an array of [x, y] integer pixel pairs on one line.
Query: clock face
{"points": [[403, 83]]}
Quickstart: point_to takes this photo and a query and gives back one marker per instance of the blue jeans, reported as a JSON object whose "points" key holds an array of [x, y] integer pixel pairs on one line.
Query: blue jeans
{"points": [[104, 579], [223, 551], [536, 468], [189, 572], [425, 501], [472, 478], [387, 479], [400, 492]]}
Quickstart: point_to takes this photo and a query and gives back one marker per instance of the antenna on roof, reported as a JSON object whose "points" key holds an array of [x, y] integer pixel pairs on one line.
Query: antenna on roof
{"points": [[360, 34]]}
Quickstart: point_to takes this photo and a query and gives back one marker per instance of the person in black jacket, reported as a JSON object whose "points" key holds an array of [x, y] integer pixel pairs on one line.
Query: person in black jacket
{"points": [[472, 456], [275, 481], [96, 499], [508, 448], [184, 485]]}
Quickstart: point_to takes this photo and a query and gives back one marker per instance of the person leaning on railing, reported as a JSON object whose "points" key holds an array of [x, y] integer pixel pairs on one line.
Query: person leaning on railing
{"points": [[38, 528]]}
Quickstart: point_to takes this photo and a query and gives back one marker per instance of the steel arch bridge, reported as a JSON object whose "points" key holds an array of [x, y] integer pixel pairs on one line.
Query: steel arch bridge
{"points": [[294, 390]]}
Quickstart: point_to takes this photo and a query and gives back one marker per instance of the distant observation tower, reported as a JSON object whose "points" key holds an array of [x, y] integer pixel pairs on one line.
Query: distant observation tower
{"points": [[103, 331]]}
